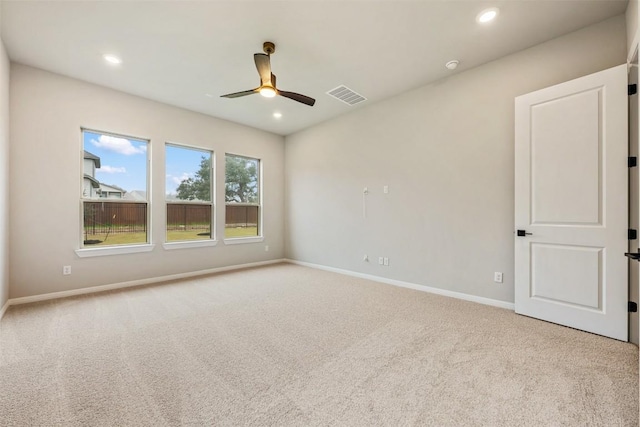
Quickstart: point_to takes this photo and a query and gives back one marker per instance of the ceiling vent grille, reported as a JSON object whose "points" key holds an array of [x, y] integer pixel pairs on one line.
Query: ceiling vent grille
{"points": [[346, 95]]}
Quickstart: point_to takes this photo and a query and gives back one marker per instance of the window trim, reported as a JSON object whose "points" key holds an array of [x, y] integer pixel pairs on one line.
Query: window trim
{"points": [[211, 241], [84, 251], [115, 250], [260, 204], [241, 240], [188, 244]]}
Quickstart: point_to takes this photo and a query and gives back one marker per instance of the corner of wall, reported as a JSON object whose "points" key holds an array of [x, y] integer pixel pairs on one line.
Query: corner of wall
{"points": [[4, 177], [631, 17]]}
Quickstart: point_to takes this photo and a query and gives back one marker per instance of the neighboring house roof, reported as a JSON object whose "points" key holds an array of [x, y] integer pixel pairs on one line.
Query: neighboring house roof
{"points": [[94, 182], [112, 188], [136, 195], [91, 156]]}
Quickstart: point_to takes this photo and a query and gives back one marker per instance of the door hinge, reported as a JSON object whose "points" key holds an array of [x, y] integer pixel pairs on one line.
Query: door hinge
{"points": [[633, 307], [633, 234], [632, 162], [632, 89]]}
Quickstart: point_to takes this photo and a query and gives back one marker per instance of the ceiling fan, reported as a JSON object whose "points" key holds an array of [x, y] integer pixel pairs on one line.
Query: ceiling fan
{"points": [[267, 86]]}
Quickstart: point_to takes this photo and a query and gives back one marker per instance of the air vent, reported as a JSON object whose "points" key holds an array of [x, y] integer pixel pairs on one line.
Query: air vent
{"points": [[346, 95]]}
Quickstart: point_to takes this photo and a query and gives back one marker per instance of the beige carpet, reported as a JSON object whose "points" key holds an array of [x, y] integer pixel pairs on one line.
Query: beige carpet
{"points": [[288, 345]]}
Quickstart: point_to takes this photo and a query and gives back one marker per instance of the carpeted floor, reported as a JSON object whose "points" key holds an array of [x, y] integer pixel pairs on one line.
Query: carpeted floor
{"points": [[292, 346]]}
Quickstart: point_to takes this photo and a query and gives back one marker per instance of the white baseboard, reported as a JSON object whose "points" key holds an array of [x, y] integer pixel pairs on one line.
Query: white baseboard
{"points": [[102, 288], [4, 308], [429, 289], [141, 282]]}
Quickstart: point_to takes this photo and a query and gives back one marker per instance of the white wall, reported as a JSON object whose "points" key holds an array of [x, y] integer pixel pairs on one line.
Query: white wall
{"points": [[4, 175], [446, 151], [47, 111], [631, 17]]}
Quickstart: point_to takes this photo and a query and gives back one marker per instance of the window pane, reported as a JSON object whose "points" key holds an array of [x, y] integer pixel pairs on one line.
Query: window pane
{"points": [[188, 178], [188, 222], [114, 169], [107, 223], [242, 196], [242, 221], [188, 174], [241, 180]]}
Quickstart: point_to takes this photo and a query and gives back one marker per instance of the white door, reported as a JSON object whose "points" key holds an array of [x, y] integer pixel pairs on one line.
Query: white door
{"points": [[571, 196]]}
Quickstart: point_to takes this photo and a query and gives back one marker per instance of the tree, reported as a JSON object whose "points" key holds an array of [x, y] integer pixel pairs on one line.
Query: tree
{"points": [[198, 187], [241, 184]]}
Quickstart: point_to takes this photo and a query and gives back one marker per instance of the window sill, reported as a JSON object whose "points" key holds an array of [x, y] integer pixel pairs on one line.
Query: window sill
{"points": [[114, 250], [169, 246], [241, 240]]}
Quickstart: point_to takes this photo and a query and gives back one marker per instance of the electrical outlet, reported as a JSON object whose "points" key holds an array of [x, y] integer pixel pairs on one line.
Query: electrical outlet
{"points": [[497, 277], [385, 189], [266, 248], [380, 260], [365, 258], [66, 270], [386, 261]]}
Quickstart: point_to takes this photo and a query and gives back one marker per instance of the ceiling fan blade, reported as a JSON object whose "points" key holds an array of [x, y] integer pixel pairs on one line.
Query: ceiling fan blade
{"points": [[239, 94], [297, 97], [263, 64]]}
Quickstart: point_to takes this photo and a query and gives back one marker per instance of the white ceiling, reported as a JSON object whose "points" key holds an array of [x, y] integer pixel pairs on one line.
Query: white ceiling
{"points": [[178, 51]]}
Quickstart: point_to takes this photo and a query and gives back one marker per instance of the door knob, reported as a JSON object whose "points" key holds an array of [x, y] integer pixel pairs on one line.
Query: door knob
{"points": [[522, 233]]}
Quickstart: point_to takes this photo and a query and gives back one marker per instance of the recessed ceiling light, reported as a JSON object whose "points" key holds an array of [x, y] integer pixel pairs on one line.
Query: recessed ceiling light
{"points": [[277, 115], [208, 95], [452, 65], [112, 59], [487, 15]]}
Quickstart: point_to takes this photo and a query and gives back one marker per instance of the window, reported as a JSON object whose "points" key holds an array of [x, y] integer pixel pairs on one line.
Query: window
{"points": [[242, 197], [115, 204], [188, 194]]}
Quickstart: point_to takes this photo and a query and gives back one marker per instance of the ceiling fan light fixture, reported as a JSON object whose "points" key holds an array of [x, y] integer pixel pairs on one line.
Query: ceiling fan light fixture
{"points": [[267, 92]]}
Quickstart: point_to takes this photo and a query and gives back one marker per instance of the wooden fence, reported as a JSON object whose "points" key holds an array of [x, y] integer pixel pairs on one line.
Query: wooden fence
{"points": [[107, 217], [188, 216], [241, 216], [131, 217]]}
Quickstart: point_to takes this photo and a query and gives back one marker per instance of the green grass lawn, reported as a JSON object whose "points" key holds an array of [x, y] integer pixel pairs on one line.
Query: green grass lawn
{"points": [[184, 235], [172, 236], [116, 239], [231, 232]]}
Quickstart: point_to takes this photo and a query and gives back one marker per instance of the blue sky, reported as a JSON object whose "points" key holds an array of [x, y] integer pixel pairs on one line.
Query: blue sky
{"points": [[181, 163], [124, 161]]}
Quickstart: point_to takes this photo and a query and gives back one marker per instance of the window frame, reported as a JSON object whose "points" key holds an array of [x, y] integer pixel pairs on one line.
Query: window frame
{"points": [[260, 235], [212, 240], [88, 251]]}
